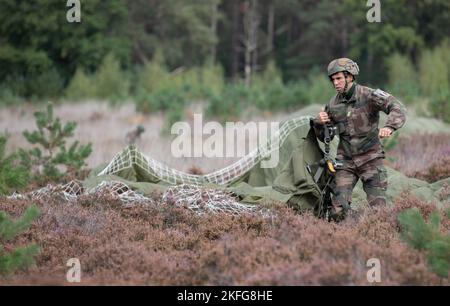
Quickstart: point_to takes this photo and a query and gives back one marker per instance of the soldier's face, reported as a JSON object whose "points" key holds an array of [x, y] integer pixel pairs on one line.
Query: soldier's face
{"points": [[338, 81]]}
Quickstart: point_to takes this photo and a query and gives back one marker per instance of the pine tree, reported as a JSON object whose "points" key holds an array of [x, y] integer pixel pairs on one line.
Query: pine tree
{"points": [[51, 136], [12, 174], [22, 257], [427, 236]]}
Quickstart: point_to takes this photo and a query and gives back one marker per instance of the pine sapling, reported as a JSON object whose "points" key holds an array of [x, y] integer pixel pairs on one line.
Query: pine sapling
{"points": [[13, 175], [21, 257], [51, 159], [427, 237]]}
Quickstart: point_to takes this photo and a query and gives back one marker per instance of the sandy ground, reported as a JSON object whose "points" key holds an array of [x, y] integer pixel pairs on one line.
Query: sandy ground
{"points": [[106, 128]]}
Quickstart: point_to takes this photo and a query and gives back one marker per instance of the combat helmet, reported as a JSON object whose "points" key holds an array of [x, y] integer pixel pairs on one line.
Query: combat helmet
{"points": [[342, 65]]}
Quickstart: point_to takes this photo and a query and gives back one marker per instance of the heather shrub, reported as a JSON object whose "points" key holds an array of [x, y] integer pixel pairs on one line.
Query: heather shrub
{"points": [[161, 244], [437, 171], [423, 156]]}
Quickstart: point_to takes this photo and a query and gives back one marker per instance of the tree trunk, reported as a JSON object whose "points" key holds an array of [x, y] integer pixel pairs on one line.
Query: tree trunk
{"points": [[235, 40], [214, 20], [250, 41]]}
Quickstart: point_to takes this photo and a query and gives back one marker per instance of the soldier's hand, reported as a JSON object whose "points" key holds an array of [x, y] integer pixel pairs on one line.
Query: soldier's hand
{"points": [[385, 132], [323, 116]]}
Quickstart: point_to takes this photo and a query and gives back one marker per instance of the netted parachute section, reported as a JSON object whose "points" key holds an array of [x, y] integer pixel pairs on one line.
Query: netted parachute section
{"points": [[131, 176], [203, 200], [195, 198], [74, 191], [131, 157]]}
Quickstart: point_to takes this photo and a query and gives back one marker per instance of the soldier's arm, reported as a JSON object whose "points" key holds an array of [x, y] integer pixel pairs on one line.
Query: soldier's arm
{"points": [[391, 106], [318, 127]]}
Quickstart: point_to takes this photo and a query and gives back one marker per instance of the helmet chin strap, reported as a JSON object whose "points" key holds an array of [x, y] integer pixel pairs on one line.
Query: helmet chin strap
{"points": [[346, 86]]}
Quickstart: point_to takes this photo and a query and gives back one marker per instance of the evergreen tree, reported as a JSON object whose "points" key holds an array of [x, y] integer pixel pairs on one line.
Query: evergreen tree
{"points": [[51, 136], [37, 43], [427, 237], [21, 257], [12, 174]]}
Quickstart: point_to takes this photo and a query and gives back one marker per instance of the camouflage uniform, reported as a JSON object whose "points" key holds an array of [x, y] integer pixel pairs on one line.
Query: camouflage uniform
{"points": [[355, 115]]}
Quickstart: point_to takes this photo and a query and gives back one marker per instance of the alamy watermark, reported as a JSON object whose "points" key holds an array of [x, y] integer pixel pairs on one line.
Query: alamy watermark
{"points": [[226, 141], [73, 275], [74, 13], [374, 273], [374, 14]]}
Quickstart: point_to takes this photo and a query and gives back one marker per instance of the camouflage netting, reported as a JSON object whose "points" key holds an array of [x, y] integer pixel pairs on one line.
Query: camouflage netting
{"points": [[242, 187]]}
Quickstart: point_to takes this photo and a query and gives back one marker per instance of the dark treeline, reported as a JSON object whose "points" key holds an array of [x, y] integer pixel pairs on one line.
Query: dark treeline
{"points": [[39, 45]]}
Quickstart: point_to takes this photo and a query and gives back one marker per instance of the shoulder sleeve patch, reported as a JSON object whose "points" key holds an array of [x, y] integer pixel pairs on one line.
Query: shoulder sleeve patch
{"points": [[381, 94]]}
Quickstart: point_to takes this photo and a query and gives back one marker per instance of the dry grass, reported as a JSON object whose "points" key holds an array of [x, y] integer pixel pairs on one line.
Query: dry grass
{"points": [[164, 245], [106, 129]]}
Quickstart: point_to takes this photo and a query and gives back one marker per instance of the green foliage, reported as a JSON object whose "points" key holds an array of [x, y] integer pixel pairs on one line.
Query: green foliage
{"points": [[35, 39], [416, 231], [174, 114], [173, 103], [212, 79], [440, 105], [154, 77], [427, 236], [12, 174], [110, 81], [19, 258], [47, 84], [159, 101], [192, 47], [81, 87], [8, 97], [230, 103], [320, 90], [194, 83], [435, 71], [271, 75], [180, 28], [269, 93], [403, 78], [53, 154], [435, 79]]}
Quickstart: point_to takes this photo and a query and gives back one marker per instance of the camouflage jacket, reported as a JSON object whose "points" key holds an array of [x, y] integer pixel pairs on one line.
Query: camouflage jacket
{"points": [[356, 121]]}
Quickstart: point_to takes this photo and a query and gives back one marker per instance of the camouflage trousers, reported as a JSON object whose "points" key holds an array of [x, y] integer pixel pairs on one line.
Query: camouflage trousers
{"points": [[374, 179]]}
